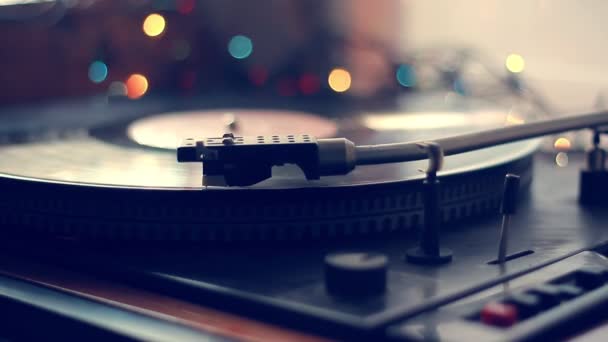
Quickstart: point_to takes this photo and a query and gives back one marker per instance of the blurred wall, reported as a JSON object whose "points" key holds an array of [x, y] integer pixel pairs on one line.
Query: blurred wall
{"points": [[564, 42]]}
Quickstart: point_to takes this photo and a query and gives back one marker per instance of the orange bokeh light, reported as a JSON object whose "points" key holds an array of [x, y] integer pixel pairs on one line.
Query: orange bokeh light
{"points": [[562, 144], [339, 80], [137, 85]]}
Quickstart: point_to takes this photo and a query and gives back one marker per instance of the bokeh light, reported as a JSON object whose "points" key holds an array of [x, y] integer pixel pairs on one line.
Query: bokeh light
{"points": [[309, 84], [98, 72], [240, 47], [562, 144], [185, 6], [137, 86], [258, 75], [515, 63], [339, 80], [405, 75], [154, 25], [561, 159]]}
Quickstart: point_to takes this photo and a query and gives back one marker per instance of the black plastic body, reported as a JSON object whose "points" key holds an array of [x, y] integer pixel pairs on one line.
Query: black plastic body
{"points": [[537, 318], [355, 274], [246, 161], [429, 251], [593, 187], [509, 199], [282, 283]]}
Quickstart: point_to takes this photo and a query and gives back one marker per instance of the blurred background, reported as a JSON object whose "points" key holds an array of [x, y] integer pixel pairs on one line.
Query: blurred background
{"points": [[187, 47], [563, 42], [541, 56], [354, 48]]}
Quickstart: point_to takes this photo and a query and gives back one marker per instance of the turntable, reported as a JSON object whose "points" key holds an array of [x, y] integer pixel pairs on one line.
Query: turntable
{"points": [[116, 204], [129, 169], [441, 206]]}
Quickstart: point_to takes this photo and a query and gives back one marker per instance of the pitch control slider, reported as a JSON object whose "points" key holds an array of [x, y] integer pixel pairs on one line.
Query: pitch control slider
{"points": [[242, 161]]}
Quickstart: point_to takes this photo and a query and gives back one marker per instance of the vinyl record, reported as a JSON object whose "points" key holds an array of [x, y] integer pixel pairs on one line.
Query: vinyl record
{"points": [[108, 170]]}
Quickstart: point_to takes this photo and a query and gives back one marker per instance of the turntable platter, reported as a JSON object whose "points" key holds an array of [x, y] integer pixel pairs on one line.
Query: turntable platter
{"points": [[100, 156], [113, 183]]}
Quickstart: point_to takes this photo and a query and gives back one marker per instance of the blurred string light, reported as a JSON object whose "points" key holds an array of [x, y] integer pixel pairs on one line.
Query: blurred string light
{"points": [[240, 47], [562, 144], [154, 25], [515, 63], [181, 49], [186, 6], [405, 75], [137, 86], [98, 72], [339, 80]]}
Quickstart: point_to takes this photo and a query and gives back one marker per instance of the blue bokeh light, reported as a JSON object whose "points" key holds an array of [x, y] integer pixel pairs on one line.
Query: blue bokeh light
{"points": [[98, 72], [405, 75], [240, 47]]}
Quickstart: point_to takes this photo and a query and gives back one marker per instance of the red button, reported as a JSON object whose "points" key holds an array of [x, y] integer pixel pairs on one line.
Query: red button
{"points": [[499, 314]]}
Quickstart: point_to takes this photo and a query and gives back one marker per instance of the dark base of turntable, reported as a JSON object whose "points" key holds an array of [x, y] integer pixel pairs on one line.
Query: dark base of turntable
{"points": [[283, 284]]}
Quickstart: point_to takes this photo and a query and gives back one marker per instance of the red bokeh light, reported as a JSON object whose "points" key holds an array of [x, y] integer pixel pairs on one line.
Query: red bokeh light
{"points": [[186, 6], [309, 84], [258, 75]]}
